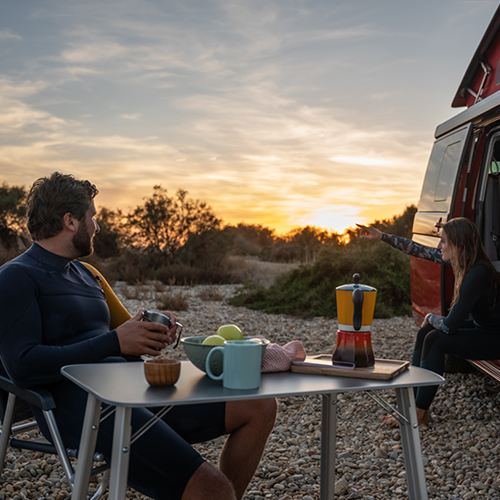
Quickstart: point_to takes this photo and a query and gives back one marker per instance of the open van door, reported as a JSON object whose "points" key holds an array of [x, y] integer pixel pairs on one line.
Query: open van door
{"points": [[488, 202]]}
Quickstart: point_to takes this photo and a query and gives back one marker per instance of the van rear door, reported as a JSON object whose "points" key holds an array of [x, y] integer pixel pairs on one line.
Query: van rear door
{"points": [[438, 193]]}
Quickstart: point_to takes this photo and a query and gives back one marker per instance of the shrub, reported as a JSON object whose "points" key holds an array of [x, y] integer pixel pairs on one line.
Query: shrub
{"points": [[310, 290]]}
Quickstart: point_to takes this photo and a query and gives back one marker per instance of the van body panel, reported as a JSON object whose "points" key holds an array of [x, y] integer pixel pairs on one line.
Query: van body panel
{"points": [[477, 113], [426, 291]]}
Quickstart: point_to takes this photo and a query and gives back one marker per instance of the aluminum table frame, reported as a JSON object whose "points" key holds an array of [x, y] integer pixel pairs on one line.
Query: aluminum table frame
{"points": [[123, 386]]}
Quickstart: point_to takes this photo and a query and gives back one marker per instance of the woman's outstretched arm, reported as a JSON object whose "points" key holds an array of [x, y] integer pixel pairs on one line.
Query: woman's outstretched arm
{"points": [[404, 244]]}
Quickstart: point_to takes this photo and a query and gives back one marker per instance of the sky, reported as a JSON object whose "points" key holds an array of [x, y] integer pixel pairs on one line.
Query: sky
{"points": [[281, 113]]}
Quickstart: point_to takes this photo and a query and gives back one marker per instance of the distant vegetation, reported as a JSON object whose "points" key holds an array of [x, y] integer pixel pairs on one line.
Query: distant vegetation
{"points": [[310, 289], [171, 238], [179, 240]]}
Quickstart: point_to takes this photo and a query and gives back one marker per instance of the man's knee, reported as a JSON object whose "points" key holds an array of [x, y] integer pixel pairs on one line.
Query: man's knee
{"points": [[208, 482], [259, 411], [264, 410]]}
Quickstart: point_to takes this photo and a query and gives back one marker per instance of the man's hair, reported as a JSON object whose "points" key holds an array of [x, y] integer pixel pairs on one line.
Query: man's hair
{"points": [[52, 197]]}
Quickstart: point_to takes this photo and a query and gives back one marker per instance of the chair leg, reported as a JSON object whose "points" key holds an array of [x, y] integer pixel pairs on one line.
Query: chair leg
{"points": [[103, 486], [58, 444], [6, 428]]}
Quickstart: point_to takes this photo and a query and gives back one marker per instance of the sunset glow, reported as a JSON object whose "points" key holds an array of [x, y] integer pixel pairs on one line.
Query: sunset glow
{"points": [[274, 113]]}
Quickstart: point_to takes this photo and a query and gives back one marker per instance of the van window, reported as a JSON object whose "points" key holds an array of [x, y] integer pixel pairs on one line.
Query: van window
{"points": [[444, 162], [447, 171]]}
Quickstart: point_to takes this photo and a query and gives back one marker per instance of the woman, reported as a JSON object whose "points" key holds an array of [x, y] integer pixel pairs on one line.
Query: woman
{"points": [[472, 327]]}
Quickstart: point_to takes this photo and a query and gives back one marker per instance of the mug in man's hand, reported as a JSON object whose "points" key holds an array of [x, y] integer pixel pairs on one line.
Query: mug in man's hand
{"points": [[158, 317]]}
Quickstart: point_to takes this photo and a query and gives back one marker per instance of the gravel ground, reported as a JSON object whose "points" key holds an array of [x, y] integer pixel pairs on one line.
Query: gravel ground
{"points": [[461, 448]]}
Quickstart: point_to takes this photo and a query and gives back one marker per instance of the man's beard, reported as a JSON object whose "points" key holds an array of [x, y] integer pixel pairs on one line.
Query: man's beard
{"points": [[82, 241]]}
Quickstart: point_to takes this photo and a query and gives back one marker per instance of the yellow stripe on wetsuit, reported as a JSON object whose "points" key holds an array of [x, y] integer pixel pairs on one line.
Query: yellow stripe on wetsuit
{"points": [[119, 313]]}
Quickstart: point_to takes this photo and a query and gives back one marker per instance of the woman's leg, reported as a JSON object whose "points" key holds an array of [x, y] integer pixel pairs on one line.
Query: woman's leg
{"points": [[470, 343], [419, 342], [422, 415]]}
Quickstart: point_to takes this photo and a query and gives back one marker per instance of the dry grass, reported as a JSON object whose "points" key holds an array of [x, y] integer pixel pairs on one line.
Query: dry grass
{"points": [[131, 292], [172, 301], [158, 286], [210, 294], [142, 292], [257, 272]]}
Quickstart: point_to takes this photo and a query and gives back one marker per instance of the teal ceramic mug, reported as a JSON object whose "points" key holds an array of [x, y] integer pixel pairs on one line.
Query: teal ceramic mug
{"points": [[240, 366]]}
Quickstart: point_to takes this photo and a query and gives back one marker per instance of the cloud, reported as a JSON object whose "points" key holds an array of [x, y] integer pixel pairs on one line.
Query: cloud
{"points": [[92, 52], [7, 34], [130, 116], [18, 116], [224, 99], [10, 88], [366, 161]]}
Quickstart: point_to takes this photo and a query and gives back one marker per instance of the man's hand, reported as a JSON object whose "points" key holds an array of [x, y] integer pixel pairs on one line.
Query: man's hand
{"points": [[370, 233], [138, 337]]}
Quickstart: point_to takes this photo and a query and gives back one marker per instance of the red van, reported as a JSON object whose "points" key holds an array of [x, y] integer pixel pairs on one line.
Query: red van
{"points": [[463, 176]]}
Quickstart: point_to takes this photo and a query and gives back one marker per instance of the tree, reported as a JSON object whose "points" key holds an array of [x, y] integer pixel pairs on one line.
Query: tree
{"points": [[12, 211], [163, 224], [106, 242], [308, 240], [250, 239]]}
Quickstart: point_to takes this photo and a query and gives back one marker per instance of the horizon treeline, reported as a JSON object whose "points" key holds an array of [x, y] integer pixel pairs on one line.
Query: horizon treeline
{"points": [[178, 239]]}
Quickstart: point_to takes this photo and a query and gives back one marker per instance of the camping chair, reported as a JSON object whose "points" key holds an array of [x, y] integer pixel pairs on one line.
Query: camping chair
{"points": [[16, 418], [15, 402]]}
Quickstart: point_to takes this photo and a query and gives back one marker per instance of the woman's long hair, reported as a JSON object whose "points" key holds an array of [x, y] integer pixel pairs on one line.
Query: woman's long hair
{"points": [[466, 249]]}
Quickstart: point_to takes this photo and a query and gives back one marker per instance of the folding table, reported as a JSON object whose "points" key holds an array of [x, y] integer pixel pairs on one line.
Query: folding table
{"points": [[122, 385]]}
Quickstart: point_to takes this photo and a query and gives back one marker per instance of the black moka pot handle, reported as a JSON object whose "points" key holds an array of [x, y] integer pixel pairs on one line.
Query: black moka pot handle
{"points": [[357, 300]]}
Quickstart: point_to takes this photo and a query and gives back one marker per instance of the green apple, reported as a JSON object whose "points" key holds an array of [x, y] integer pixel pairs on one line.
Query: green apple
{"points": [[214, 340], [230, 332]]}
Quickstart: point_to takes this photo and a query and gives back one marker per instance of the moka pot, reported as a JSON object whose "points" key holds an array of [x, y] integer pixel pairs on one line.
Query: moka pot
{"points": [[355, 310]]}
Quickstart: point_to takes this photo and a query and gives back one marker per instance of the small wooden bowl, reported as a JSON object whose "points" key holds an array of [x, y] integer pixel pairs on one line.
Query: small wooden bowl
{"points": [[162, 371]]}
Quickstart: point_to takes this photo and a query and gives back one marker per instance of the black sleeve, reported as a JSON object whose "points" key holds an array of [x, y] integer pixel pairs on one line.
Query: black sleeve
{"points": [[411, 248], [475, 282], [27, 360]]}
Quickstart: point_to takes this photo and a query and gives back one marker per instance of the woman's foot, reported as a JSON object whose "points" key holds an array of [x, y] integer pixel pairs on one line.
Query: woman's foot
{"points": [[390, 421], [423, 419]]}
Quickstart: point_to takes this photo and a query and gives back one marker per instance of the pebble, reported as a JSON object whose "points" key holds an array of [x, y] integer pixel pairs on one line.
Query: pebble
{"points": [[459, 447]]}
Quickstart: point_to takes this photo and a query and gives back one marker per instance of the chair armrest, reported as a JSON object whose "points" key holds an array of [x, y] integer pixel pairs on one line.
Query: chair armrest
{"points": [[41, 398]]}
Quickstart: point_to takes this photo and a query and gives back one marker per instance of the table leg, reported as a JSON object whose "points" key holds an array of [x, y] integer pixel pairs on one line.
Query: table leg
{"points": [[328, 443], [120, 454], [86, 448], [411, 445]]}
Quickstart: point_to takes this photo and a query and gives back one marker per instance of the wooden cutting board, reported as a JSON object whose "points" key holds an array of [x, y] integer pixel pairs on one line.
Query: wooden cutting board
{"points": [[321, 364]]}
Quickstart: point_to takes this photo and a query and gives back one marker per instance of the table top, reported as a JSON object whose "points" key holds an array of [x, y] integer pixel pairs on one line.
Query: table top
{"points": [[123, 384]]}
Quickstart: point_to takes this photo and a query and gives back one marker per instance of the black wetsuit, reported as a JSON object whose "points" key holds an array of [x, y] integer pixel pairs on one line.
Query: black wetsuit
{"points": [[471, 329], [53, 314]]}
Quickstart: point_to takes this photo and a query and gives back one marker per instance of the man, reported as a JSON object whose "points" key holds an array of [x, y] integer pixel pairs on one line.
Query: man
{"points": [[54, 313]]}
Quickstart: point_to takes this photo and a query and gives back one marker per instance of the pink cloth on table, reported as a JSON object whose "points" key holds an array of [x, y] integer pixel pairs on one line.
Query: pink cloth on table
{"points": [[279, 358]]}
